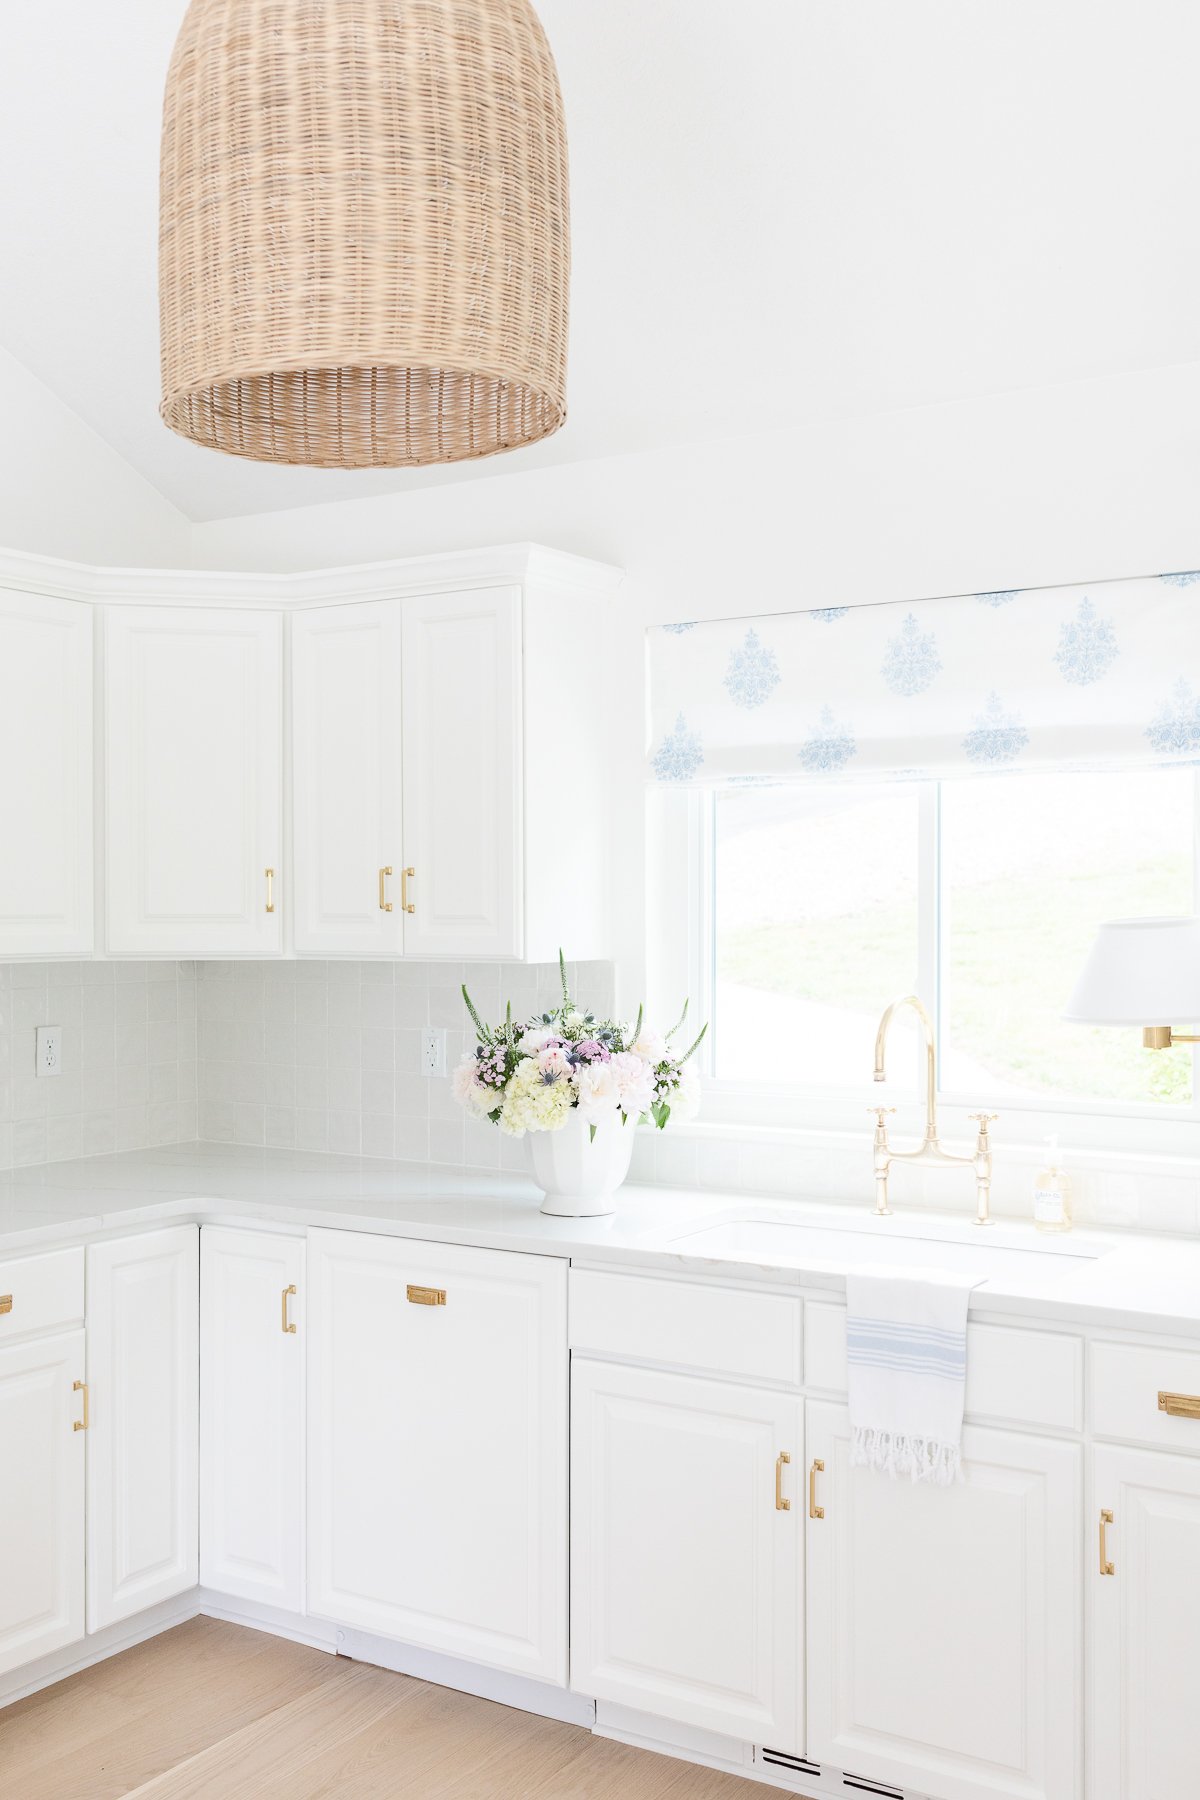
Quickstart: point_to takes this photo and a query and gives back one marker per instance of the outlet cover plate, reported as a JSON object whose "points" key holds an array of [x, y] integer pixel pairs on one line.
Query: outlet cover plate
{"points": [[433, 1052], [49, 1050]]}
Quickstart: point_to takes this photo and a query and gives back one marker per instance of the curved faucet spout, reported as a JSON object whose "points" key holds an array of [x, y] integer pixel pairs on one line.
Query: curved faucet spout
{"points": [[881, 1038]]}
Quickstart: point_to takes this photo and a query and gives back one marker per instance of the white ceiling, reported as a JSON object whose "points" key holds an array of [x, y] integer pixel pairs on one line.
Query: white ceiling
{"points": [[783, 210]]}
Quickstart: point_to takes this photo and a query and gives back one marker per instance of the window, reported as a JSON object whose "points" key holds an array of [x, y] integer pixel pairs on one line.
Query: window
{"points": [[811, 906]]}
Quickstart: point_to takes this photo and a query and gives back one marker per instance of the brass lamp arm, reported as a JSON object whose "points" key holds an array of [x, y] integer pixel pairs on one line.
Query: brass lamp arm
{"points": [[1162, 1037]]}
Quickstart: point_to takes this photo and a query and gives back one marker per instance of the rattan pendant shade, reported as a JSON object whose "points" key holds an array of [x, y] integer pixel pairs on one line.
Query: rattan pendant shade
{"points": [[364, 235]]}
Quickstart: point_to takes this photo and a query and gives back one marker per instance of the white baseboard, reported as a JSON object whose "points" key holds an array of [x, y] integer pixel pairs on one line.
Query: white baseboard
{"points": [[469, 1678], [296, 1626], [97, 1648]]}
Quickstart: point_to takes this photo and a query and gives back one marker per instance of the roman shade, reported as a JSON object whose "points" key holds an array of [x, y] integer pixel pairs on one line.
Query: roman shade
{"points": [[1104, 675]]}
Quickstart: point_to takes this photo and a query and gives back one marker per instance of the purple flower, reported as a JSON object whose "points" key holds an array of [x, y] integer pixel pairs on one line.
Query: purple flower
{"points": [[590, 1050]]}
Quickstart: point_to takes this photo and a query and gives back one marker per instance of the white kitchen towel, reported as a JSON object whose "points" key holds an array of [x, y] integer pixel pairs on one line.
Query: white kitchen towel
{"points": [[906, 1340]]}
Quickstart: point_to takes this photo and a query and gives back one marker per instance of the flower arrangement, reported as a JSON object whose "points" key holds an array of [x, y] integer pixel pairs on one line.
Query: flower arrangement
{"points": [[533, 1076]]}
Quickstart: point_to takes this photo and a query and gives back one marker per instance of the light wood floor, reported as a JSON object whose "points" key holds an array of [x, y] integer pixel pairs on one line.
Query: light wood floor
{"points": [[217, 1711]]}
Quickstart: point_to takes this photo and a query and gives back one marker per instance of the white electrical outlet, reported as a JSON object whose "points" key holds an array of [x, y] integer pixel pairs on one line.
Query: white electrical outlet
{"points": [[433, 1052], [49, 1050]]}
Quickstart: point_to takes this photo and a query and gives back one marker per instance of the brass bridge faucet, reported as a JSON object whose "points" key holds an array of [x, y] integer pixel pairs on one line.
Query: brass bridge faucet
{"points": [[930, 1149]]}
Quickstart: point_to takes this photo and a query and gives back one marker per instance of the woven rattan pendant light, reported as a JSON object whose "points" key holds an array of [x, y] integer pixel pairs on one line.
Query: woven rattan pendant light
{"points": [[364, 246]]}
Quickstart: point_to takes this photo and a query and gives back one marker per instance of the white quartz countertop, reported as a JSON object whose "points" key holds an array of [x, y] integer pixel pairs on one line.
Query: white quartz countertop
{"points": [[1138, 1282]]}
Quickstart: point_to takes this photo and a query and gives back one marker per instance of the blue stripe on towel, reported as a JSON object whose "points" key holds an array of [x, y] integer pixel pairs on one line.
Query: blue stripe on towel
{"points": [[914, 1349]]}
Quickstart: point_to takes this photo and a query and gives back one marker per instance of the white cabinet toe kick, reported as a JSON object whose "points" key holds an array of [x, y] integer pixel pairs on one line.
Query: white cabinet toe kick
{"points": [[623, 1499]]}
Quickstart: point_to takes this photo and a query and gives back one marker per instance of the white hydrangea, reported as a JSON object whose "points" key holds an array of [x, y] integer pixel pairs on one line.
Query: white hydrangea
{"points": [[531, 1103], [471, 1093]]}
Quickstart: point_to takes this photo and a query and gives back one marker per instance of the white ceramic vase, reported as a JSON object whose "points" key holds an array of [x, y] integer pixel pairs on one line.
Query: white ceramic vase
{"points": [[578, 1173]]}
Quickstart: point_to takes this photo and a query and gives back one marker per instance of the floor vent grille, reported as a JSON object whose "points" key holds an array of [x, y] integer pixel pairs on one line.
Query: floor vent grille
{"points": [[860, 1786], [795, 1765]]}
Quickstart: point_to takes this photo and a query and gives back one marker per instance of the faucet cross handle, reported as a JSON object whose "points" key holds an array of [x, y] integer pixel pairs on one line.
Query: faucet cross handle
{"points": [[983, 1120], [881, 1112]]}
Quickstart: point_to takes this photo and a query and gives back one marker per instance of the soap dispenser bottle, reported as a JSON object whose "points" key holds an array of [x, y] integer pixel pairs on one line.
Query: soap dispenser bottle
{"points": [[1052, 1195]]}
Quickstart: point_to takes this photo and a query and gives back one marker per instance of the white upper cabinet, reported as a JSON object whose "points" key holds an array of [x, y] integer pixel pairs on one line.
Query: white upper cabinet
{"points": [[346, 780], [1145, 1577], [462, 774], [45, 776], [943, 1623], [194, 781]]}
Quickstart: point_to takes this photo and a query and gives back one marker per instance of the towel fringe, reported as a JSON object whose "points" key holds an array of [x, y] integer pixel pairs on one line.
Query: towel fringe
{"points": [[922, 1459]]}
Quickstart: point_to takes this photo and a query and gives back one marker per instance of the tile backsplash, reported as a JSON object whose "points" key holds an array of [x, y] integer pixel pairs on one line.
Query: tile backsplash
{"points": [[326, 1055], [128, 1076]]}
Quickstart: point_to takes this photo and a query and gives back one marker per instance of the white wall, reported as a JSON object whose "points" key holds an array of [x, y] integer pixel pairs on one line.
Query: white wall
{"points": [[65, 492]]}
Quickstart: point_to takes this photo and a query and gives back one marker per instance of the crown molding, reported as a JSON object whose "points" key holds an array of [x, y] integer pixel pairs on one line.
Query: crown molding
{"points": [[518, 564]]}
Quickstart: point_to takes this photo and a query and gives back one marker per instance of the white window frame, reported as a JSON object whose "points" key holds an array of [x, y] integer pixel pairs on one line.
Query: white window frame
{"points": [[680, 960]]}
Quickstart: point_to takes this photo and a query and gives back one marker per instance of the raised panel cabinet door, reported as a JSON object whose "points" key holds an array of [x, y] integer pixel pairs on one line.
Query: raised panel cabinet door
{"points": [[686, 1550], [462, 773], [252, 1344], [194, 781], [437, 1447], [1145, 1737], [46, 794], [944, 1624], [144, 1377], [346, 838], [41, 1498]]}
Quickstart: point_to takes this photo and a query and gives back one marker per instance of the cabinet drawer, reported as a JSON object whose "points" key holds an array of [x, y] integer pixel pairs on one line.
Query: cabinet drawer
{"points": [[1014, 1377], [685, 1325], [1126, 1382], [41, 1293]]}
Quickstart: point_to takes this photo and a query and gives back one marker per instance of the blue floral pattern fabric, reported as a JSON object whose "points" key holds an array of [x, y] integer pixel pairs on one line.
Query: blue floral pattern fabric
{"points": [[753, 673], [997, 736], [1105, 675], [680, 755], [911, 660], [1087, 647]]}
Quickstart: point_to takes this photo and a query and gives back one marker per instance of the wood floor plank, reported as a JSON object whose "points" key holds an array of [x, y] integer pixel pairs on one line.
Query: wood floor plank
{"points": [[212, 1711], [111, 1728]]}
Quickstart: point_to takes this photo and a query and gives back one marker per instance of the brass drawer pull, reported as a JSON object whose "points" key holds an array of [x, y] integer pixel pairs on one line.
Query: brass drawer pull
{"points": [[286, 1324], [270, 875], [1180, 1406], [5, 1303], [406, 905], [385, 904], [815, 1511], [1106, 1567], [81, 1387], [781, 1463], [423, 1296]]}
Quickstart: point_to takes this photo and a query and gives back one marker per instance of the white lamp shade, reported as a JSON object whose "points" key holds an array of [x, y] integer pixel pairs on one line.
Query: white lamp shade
{"points": [[1140, 972]]}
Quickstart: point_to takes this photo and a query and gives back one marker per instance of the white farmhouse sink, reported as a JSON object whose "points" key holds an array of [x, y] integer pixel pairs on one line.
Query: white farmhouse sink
{"points": [[774, 1241]]}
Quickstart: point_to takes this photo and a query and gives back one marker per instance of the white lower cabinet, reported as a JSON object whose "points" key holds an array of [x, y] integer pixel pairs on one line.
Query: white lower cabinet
{"points": [[686, 1553], [143, 1374], [944, 1623], [41, 1498], [252, 1347], [1145, 1737], [437, 1447]]}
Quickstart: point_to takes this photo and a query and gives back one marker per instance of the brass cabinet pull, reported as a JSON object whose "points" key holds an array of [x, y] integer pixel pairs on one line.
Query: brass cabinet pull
{"points": [[423, 1296], [406, 875], [1180, 1406], [286, 1324], [5, 1303], [270, 875], [1106, 1567], [81, 1387], [385, 904], [781, 1462], [815, 1511]]}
